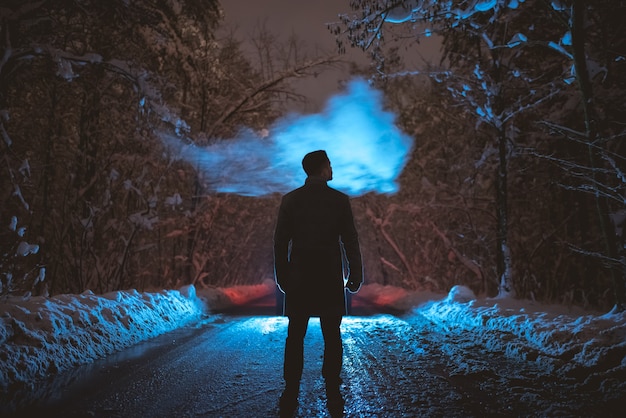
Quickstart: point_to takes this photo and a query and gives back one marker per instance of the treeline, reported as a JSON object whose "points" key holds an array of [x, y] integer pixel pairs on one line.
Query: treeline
{"points": [[91, 197], [515, 184]]}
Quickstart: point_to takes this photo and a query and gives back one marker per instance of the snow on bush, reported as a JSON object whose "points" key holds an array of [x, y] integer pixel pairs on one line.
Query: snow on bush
{"points": [[460, 294], [566, 340], [40, 336]]}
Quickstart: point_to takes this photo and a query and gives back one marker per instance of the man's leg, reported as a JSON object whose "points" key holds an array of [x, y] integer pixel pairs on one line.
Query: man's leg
{"points": [[294, 349], [294, 361], [333, 356], [333, 349]]}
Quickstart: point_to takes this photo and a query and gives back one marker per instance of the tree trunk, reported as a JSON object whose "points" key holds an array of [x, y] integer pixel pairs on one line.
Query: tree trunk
{"points": [[503, 251]]}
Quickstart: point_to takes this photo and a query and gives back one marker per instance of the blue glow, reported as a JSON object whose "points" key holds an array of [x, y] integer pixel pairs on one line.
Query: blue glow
{"points": [[558, 6], [513, 4], [517, 39], [572, 78], [559, 48], [567, 39], [366, 149], [403, 12], [486, 5], [477, 72]]}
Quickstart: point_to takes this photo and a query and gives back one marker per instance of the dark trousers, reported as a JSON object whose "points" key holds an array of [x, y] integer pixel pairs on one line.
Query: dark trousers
{"points": [[294, 348]]}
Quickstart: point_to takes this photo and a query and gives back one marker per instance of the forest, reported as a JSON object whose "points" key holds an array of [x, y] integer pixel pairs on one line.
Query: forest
{"points": [[515, 184]]}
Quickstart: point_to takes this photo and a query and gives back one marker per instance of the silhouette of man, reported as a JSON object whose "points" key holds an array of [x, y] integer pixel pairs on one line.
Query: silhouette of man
{"points": [[314, 242]]}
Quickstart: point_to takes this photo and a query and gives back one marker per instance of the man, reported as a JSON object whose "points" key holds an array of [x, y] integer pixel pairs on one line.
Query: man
{"points": [[314, 242]]}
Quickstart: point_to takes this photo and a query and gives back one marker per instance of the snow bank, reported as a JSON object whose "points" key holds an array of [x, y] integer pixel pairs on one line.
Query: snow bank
{"points": [[568, 340], [40, 336]]}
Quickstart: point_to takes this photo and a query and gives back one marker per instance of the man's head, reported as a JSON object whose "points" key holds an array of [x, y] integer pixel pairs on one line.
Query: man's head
{"points": [[316, 163]]}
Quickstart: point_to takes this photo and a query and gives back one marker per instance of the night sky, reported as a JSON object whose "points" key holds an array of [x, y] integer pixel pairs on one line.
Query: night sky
{"points": [[307, 19]]}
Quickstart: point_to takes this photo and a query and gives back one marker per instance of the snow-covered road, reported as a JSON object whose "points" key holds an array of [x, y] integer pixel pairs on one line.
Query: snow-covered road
{"points": [[230, 366]]}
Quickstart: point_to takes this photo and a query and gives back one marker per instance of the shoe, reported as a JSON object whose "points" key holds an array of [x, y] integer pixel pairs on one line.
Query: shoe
{"points": [[288, 402], [334, 399]]}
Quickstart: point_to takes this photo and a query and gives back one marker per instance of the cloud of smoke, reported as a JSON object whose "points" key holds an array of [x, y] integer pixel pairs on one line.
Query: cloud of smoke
{"points": [[366, 149]]}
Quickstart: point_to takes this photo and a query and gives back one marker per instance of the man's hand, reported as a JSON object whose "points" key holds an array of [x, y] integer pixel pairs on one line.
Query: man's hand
{"points": [[353, 286]]}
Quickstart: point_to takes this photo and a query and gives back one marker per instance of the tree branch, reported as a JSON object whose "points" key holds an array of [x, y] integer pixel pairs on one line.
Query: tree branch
{"points": [[295, 72]]}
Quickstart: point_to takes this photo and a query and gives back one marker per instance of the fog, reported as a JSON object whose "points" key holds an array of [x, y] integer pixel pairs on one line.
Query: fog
{"points": [[366, 149]]}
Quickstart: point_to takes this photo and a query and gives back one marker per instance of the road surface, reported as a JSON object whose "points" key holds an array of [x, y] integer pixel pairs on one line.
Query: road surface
{"points": [[230, 365]]}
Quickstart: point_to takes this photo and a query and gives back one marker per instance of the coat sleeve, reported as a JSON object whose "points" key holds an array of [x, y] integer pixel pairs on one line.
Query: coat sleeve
{"points": [[282, 238], [350, 240]]}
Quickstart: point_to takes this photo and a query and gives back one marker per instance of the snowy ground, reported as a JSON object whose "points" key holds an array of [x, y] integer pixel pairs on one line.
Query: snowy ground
{"points": [[41, 336], [588, 350]]}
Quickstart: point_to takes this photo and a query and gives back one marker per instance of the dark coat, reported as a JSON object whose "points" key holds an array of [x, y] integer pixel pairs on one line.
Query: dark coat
{"points": [[314, 241]]}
